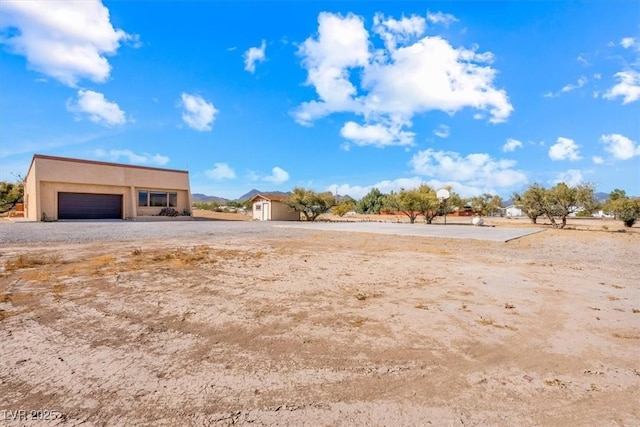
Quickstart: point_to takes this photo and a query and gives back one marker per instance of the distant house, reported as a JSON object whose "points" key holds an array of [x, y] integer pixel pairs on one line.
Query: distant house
{"points": [[467, 210], [65, 188], [271, 207], [512, 211]]}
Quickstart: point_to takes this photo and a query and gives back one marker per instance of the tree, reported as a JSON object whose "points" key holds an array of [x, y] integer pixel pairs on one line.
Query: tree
{"points": [[11, 194], [486, 204], [347, 205], [558, 201], [408, 202], [310, 203], [563, 200], [624, 208], [532, 202], [371, 203], [455, 201], [428, 203]]}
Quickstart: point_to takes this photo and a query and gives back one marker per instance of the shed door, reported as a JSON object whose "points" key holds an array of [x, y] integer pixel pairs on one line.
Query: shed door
{"points": [[265, 211], [89, 206]]}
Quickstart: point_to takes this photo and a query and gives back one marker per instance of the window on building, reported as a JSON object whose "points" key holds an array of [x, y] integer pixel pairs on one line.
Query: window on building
{"points": [[258, 207], [143, 198], [159, 199]]}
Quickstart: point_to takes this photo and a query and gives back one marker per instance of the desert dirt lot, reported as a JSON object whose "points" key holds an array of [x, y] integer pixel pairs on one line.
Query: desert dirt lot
{"points": [[323, 328]]}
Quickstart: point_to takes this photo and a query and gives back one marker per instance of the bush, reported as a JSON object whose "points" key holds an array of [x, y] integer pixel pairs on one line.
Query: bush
{"points": [[169, 212]]}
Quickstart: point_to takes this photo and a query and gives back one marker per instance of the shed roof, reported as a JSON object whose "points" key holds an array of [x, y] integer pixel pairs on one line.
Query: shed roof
{"points": [[272, 197]]}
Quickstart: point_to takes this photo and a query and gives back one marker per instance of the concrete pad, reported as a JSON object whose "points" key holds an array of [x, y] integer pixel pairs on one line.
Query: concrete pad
{"points": [[495, 234]]}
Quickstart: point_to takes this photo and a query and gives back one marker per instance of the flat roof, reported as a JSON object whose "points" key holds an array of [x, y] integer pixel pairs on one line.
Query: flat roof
{"points": [[95, 162]]}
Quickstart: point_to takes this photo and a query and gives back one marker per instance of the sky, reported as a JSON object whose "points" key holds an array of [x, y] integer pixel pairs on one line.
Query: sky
{"points": [[338, 96]]}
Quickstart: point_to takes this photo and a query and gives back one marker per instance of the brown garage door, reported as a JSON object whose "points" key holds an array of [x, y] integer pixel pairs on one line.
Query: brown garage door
{"points": [[89, 206]]}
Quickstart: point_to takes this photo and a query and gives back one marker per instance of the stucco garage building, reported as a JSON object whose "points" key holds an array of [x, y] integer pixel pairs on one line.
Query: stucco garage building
{"points": [[65, 188], [271, 207]]}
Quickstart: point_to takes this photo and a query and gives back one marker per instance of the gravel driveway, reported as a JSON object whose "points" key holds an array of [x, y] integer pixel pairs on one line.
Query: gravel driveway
{"points": [[126, 231]]}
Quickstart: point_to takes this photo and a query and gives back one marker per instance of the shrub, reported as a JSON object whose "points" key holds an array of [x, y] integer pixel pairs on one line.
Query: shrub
{"points": [[169, 212]]}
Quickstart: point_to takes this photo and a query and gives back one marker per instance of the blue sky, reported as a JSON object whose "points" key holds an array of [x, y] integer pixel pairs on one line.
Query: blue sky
{"points": [[346, 96]]}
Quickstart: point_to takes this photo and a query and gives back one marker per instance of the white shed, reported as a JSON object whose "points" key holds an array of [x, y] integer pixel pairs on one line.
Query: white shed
{"points": [[512, 211], [271, 207]]}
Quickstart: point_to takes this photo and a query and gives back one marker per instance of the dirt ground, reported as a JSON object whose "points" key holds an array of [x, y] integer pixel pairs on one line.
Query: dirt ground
{"points": [[324, 328]]}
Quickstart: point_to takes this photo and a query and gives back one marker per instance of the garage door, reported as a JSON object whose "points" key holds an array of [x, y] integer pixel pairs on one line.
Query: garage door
{"points": [[89, 206]]}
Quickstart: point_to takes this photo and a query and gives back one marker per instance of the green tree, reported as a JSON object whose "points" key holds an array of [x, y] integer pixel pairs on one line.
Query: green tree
{"points": [[428, 203], [559, 201], [346, 205], [406, 202], [532, 202], [310, 203], [486, 204], [563, 200], [371, 203], [624, 208], [11, 193]]}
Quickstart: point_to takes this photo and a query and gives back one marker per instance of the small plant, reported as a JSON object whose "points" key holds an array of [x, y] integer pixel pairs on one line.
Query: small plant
{"points": [[28, 261], [136, 252], [169, 212], [186, 212]]}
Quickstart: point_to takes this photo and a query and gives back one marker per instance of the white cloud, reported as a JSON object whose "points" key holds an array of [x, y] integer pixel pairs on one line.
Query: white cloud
{"points": [[572, 177], [412, 74], [583, 60], [582, 80], [143, 158], [62, 39], [511, 145], [564, 149], [476, 169], [342, 43], [278, 176], [620, 147], [253, 55], [220, 171], [379, 135], [597, 160], [630, 42], [628, 87], [198, 114], [394, 32], [442, 131], [99, 110], [580, 83], [445, 19]]}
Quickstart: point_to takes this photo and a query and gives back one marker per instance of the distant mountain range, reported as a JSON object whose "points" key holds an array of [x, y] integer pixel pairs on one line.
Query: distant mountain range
{"points": [[199, 197], [253, 192]]}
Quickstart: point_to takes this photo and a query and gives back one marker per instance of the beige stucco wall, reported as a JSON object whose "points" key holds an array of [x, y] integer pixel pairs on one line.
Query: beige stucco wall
{"points": [[278, 211], [47, 177], [281, 212], [31, 196]]}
